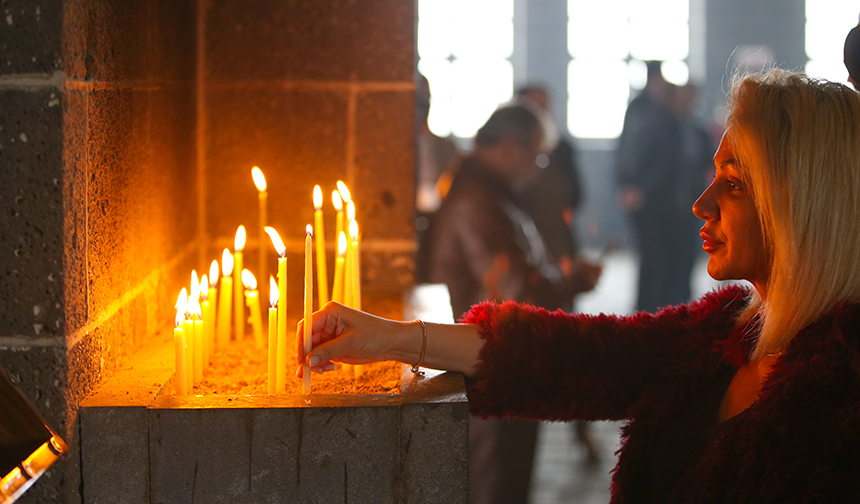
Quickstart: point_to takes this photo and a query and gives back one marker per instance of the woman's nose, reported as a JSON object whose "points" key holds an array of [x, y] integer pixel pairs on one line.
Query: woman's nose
{"points": [[706, 207]]}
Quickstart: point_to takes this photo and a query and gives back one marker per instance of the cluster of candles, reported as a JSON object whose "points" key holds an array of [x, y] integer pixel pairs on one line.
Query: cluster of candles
{"points": [[198, 331]]}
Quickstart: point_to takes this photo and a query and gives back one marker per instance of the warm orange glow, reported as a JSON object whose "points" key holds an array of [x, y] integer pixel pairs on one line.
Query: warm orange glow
{"points": [[317, 198], [309, 230], [274, 293], [213, 273], [239, 242], [353, 230], [337, 201], [344, 191], [204, 287], [226, 263], [248, 280], [276, 241], [341, 244], [194, 309], [181, 301], [259, 179], [350, 210]]}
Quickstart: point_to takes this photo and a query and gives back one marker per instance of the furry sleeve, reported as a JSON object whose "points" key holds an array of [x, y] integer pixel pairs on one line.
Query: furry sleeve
{"points": [[559, 366]]}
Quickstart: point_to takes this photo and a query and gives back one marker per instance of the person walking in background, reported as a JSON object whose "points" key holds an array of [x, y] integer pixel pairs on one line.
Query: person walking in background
{"points": [[648, 171], [851, 56], [552, 201], [487, 247]]}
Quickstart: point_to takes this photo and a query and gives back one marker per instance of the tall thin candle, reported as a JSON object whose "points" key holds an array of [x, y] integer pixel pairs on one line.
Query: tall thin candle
{"points": [[193, 306], [283, 344], [252, 300], [273, 336], [188, 329], [179, 345], [309, 306], [262, 199], [206, 319], [337, 202], [337, 290], [213, 306], [238, 312], [355, 250], [225, 304], [319, 235]]}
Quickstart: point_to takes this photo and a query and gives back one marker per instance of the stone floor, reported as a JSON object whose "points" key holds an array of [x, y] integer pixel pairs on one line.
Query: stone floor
{"points": [[562, 474]]}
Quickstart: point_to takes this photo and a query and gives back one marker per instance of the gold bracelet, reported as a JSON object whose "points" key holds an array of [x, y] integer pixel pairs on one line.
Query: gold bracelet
{"points": [[414, 368]]}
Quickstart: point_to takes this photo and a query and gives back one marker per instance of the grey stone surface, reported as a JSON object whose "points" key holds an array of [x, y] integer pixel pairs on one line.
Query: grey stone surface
{"points": [[31, 221], [30, 36], [115, 455], [40, 374]]}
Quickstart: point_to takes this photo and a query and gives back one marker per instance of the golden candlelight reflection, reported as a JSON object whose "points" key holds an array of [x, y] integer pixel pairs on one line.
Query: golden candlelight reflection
{"points": [[239, 241], [276, 241], [226, 263], [259, 179]]}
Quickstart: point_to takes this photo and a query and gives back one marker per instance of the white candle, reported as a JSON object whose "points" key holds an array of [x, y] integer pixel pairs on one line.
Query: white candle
{"points": [[225, 304], [273, 336], [283, 342], [319, 235], [262, 199], [309, 306], [238, 266]]}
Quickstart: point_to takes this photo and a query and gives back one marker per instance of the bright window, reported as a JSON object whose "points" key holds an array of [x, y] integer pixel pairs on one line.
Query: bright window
{"points": [[827, 24], [608, 41], [464, 50]]}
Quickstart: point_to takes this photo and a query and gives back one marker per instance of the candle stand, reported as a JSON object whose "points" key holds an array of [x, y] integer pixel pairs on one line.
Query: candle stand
{"points": [[142, 444]]}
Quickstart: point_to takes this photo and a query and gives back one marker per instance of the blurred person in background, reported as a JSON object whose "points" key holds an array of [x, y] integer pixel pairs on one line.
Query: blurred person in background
{"points": [[851, 56]]}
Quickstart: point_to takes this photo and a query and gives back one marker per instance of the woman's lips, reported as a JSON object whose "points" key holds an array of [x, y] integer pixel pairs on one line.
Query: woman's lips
{"points": [[709, 243]]}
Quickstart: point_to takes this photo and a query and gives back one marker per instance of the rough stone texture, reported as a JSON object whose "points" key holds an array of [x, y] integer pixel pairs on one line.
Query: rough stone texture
{"points": [[310, 39], [75, 210], [31, 223], [386, 272], [30, 36], [384, 178], [120, 433]]}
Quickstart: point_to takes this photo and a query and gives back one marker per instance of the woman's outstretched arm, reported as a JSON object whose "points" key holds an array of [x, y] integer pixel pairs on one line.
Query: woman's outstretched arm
{"points": [[341, 334]]}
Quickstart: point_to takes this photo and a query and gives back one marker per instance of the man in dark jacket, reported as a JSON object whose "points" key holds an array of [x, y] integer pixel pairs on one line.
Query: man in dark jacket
{"points": [[486, 247]]}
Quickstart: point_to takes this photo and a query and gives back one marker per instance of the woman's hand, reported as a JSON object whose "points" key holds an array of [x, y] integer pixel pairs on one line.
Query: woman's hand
{"points": [[341, 334]]}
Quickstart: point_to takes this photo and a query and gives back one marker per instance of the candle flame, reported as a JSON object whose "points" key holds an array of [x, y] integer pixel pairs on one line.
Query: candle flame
{"points": [[195, 310], [350, 210], [353, 230], [337, 201], [239, 242], [274, 293], [276, 241], [226, 263], [213, 273], [343, 190], [259, 179], [249, 280], [309, 230], [195, 285], [204, 287], [181, 301], [341, 244], [317, 198]]}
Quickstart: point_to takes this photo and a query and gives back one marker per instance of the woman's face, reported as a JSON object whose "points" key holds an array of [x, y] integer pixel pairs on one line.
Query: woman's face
{"points": [[732, 232]]}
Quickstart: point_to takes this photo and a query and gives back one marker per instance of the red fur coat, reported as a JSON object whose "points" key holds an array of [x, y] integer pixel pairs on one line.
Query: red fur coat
{"points": [[800, 442]]}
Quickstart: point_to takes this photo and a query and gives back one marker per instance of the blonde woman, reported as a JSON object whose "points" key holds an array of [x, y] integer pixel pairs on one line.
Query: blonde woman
{"points": [[750, 394]]}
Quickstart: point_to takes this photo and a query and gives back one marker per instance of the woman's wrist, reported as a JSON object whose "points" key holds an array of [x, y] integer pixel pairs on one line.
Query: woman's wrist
{"points": [[406, 342]]}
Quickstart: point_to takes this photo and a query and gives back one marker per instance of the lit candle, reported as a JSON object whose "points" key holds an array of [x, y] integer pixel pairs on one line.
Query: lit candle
{"points": [[213, 307], [188, 329], [252, 300], [337, 290], [322, 274], [205, 309], [238, 312], [179, 345], [309, 305], [262, 197], [197, 345], [349, 268], [273, 335], [283, 344], [337, 202], [225, 304], [356, 265]]}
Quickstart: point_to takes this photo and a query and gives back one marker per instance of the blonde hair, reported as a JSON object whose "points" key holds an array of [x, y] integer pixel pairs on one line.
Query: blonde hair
{"points": [[797, 139]]}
